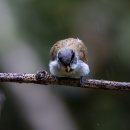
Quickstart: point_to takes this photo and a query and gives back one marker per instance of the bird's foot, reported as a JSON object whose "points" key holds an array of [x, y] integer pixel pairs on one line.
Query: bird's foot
{"points": [[83, 80]]}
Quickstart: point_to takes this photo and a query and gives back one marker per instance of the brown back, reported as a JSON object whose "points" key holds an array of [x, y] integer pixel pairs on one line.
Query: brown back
{"points": [[75, 44]]}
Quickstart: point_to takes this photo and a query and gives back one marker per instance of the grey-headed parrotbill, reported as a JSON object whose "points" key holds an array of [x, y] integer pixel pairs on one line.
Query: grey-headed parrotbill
{"points": [[69, 58]]}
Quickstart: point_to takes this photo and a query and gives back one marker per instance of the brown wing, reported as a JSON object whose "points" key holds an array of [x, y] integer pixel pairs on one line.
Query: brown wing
{"points": [[74, 44], [82, 49], [55, 48]]}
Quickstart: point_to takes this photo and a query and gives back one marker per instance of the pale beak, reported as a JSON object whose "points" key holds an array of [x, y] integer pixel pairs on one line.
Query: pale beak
{"points": [[68, 69]]}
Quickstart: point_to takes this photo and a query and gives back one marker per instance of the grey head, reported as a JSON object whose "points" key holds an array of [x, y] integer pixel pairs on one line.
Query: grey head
{"points": [[66, 57]]}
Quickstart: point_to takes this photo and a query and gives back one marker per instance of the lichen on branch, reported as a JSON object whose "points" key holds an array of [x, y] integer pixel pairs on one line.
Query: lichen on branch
{"points": [[47, 79]]}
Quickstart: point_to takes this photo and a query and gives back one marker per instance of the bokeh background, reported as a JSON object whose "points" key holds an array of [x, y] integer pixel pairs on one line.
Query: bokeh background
{"points": [[28, 29]]}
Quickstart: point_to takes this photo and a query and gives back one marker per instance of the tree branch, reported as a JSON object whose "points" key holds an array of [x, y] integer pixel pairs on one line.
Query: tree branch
{"points": [[47, 79]]}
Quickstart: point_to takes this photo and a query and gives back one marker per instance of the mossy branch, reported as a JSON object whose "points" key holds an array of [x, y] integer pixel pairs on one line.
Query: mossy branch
{"points": [[47, 79]]}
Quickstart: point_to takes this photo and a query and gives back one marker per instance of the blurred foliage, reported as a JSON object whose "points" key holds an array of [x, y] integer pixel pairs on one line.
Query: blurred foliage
{"points": [[104, 26]]}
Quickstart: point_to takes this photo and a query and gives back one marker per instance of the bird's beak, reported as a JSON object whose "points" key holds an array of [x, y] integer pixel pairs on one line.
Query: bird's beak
{"points": [[68, 69]]}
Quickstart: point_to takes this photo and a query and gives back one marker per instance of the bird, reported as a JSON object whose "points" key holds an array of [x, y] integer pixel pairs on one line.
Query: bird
{"points": [[69, 58]]}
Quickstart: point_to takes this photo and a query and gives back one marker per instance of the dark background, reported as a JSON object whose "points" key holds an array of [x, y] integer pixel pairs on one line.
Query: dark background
{"points": [[104, 26]]}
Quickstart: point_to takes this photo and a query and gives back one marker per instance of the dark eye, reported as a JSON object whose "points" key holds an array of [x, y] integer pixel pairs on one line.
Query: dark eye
{"points": [[59, 56], [60, 59], [72, 57], [63, 63]]}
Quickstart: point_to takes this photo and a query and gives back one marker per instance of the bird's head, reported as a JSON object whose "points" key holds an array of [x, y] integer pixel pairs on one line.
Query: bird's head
{"points": [[66, 58]]}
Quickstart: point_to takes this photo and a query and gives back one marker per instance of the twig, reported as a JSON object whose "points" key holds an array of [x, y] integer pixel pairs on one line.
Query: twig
{"points": [[47, 79]]}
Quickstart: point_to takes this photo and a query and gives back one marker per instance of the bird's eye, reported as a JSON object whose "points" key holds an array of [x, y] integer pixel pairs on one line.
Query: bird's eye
{"points": [[61, 61], [60, 58], [72, 57]]}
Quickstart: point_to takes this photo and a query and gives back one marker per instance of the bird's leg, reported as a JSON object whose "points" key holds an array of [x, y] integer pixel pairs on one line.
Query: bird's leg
{"points": [[83, 80]]}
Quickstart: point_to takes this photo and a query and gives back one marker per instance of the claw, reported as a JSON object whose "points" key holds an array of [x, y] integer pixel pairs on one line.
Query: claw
{"points": [[83, 80]]}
